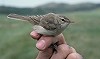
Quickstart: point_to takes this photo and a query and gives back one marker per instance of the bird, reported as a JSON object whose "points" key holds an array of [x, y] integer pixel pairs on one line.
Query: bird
{"points": [[50, 24]]}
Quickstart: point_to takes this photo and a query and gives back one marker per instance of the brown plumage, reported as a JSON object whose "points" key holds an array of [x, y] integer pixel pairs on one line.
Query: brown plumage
{"points": [[54, 24]]}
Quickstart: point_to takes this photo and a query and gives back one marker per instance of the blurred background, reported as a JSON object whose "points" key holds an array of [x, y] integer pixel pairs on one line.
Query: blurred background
{"points": [[83, 34]]}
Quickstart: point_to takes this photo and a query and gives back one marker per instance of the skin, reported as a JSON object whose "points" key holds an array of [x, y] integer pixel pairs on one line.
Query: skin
{"points": [[64, 51]]}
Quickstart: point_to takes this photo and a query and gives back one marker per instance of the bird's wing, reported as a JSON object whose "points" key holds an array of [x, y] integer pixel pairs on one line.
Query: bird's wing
{"points": [[48, 22]]}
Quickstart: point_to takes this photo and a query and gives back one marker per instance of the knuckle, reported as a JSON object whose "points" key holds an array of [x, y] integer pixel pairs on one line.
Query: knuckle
{"points": [[75, 56], [65, 50], [64, 47]]}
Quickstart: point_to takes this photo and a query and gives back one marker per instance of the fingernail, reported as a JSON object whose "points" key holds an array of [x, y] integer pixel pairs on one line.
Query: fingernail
{"points": [[41, 44], [33, 33]]}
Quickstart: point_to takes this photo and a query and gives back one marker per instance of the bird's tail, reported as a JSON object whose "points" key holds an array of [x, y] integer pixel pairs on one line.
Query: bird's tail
{"points": [[16, 16], [20, 17]]}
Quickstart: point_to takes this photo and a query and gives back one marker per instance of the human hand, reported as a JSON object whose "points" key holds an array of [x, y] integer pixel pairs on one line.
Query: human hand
{"points": [[64, 51]]}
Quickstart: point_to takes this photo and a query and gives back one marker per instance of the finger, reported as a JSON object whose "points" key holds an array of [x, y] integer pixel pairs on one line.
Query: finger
{"points": [[73, 50], [45, 41], [61, 39], [63, 50], [35, 35], [74, 56], [45, 54]]}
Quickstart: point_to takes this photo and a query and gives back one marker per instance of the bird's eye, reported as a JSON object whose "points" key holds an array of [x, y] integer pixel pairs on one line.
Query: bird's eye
{"points": [[62, 19]]}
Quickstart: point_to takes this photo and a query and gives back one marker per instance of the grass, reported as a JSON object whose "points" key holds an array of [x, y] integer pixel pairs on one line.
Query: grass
{"points": [[15, 42], [83, 35]]}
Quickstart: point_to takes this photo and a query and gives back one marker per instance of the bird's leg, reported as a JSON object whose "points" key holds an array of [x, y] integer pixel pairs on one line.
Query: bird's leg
{"points": [[54, 46]]}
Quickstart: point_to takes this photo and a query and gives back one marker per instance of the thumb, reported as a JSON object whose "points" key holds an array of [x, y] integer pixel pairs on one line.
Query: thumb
{"points": [[44, 42]]}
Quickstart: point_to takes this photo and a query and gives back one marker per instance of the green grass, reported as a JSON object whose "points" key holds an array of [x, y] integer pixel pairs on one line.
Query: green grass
{"points": [[83, 35], [15, 41]]}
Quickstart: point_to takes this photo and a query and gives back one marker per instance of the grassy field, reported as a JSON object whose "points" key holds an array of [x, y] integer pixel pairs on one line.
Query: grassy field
{"points": [[83, 35]]}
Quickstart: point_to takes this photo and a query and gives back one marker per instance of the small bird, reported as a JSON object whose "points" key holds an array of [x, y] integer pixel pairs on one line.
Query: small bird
{"points": [[48, 24]]}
